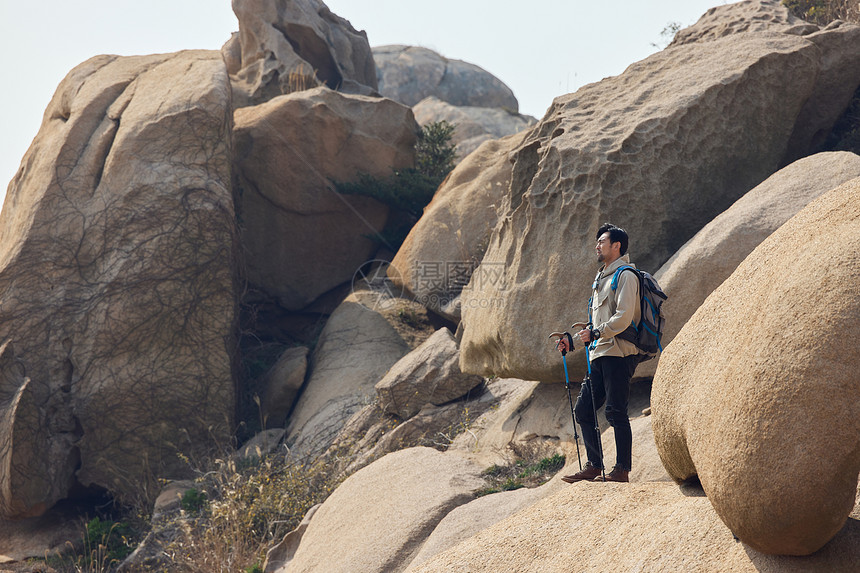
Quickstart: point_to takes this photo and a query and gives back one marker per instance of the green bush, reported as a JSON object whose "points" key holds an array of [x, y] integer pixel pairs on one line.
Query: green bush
{"points": [[529, 469], [434, 152], [193, 500], [546, 466], [408, 191], [106, 544]]}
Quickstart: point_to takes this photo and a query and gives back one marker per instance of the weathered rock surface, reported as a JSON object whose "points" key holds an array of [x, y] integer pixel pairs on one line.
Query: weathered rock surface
{"points": [[706, 260], [469, 519], [288, 152], [231, 53], [358, 345], [381, 514], [430, 374], [438, 256], [473, 125], [838, 80], [370, 433], [282, 384], [741, 17], [627, 527], [659, 150], [492, 433], [732, 404], [839, 68], [429, 427], [117, 242], [409, 74], [291, 45], [35, 537]]}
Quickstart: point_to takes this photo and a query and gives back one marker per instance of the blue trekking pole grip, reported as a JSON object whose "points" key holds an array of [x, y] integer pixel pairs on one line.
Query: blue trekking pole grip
{"points": [[588, 348], [561, 335]]}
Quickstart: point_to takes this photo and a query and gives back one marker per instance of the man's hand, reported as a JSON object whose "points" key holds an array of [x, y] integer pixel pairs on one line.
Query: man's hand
{"points": [[563, 346], [585, 335]]}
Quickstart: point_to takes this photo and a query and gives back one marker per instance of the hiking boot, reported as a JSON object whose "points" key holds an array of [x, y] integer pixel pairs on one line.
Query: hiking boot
{"points": [[617, 474], [589, 472]]}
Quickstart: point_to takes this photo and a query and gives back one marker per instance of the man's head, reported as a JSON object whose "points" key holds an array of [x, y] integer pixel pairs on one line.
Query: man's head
{"points": [[611, 243]]}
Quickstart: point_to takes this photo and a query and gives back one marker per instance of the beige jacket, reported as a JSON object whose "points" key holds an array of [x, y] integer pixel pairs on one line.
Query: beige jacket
{"points": [[612, 312]]}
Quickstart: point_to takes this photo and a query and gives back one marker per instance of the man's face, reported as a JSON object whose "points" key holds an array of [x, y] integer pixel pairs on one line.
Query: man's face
{"points": [[604, 248]]}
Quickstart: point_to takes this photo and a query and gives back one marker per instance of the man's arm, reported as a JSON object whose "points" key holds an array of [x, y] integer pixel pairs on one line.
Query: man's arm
{"points": [[626, 303]]}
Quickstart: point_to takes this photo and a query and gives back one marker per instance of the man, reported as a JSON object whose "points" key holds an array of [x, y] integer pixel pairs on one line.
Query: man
{"points": [[613, 360]]}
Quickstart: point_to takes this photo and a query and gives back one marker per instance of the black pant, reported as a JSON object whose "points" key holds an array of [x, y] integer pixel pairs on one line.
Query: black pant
{"points": [[610, 381]]}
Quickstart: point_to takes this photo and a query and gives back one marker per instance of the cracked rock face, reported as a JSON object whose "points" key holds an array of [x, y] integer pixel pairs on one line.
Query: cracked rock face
{"points": [[364, 337], [116, 281]]}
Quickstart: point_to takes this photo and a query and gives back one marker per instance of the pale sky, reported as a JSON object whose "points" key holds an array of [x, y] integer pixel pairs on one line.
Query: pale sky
{"points": [[540, 48]]}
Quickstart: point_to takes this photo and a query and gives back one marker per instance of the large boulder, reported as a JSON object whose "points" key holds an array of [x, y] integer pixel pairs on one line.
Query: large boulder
{"points": [[409, 74], [117, 245], [377, 519], [430, 374], [659, 150], [358, 345], [757, 395], [371, 433], [438, 256], [379, 434], [491, 434], [301, 237], [706, 260], [627, 527], [290, 45], [473, 125]]}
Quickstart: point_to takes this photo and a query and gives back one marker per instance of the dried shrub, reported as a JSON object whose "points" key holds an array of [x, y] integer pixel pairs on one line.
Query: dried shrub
{"points": [[246, 507], [823, 12]]}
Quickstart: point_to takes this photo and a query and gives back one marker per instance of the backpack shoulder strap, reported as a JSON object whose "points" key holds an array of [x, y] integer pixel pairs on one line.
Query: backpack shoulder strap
{"points": [[619, 270]]}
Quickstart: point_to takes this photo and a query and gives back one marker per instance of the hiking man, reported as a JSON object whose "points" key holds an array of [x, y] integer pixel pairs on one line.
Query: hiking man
{"points": [[613, 360]]}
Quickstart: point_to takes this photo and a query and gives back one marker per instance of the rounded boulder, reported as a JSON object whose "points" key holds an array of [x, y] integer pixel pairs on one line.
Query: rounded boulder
{"points": [[757, 396]]}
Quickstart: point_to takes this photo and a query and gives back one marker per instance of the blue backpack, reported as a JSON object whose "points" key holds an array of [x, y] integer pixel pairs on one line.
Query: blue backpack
{"points": [[646, 335]]}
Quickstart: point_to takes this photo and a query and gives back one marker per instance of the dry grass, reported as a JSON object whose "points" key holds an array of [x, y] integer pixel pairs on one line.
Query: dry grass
{"points": [[300, 79], [248, 507], [823, 12]]}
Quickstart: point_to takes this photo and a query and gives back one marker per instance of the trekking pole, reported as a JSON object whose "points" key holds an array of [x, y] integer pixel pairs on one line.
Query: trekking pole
{"points": [[594, 404], [567, 386]]}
